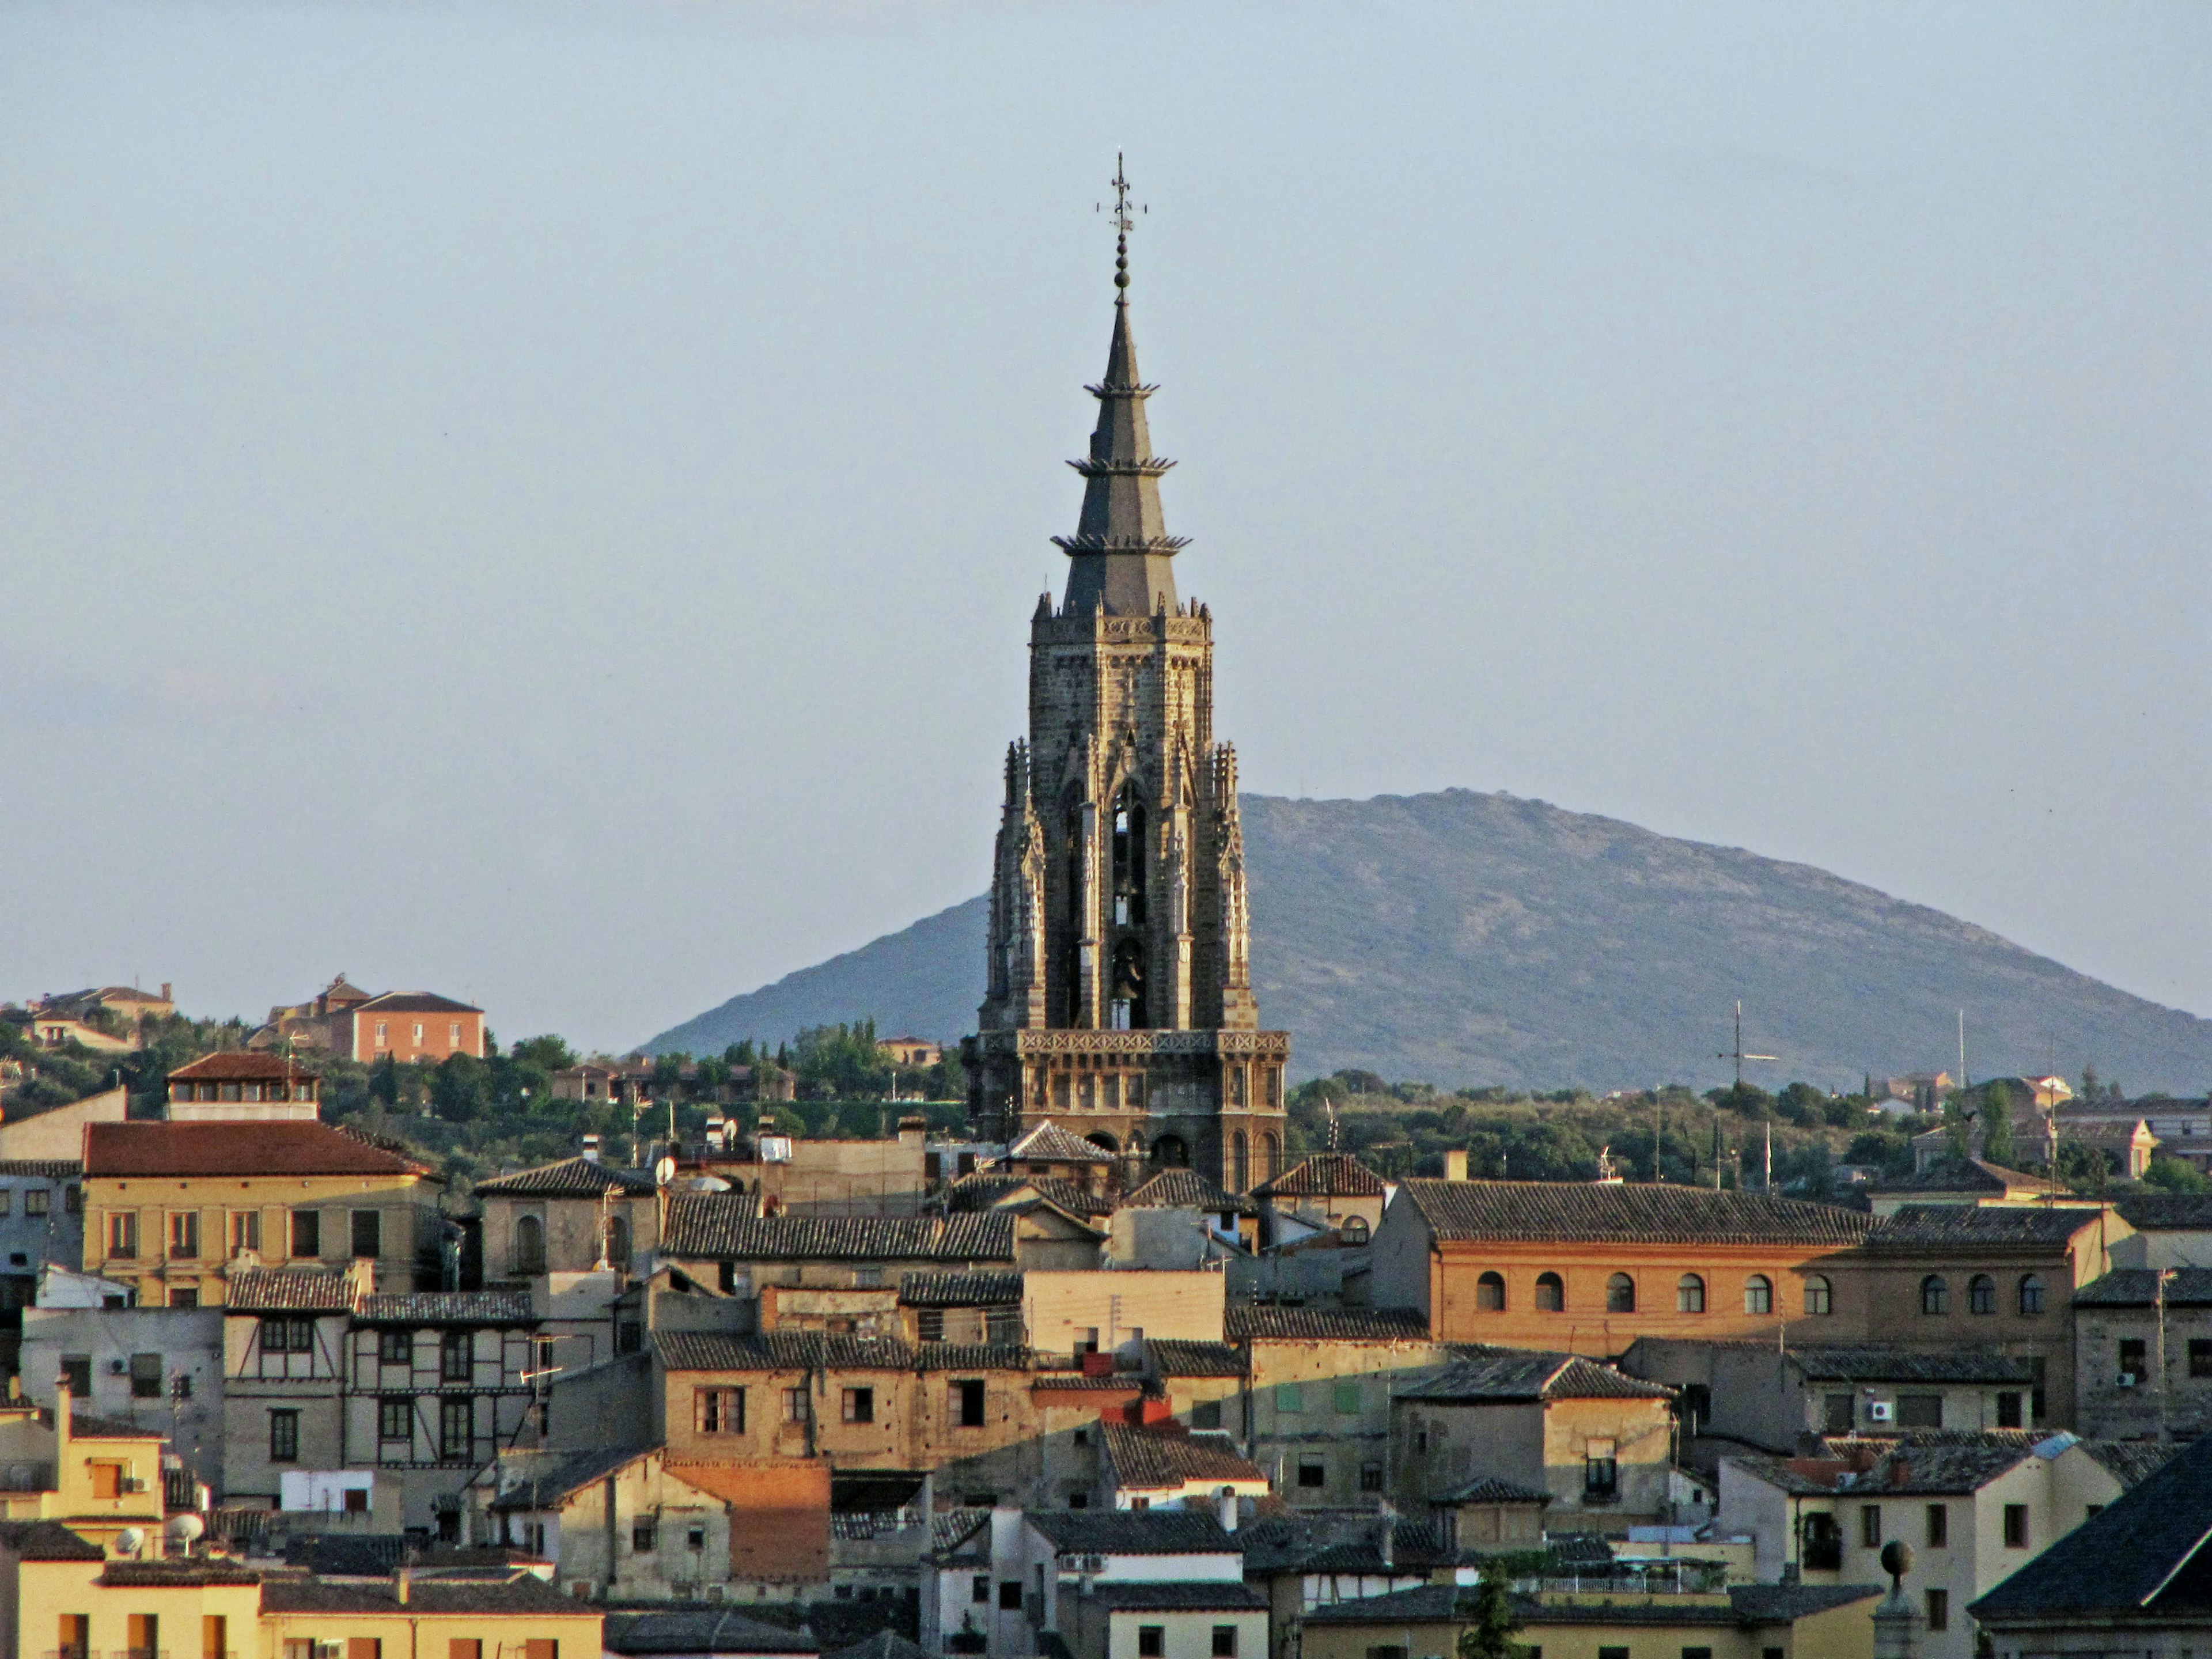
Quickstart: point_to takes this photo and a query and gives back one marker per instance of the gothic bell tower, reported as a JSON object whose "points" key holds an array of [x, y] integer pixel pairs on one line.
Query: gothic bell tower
{"points": [[1119, 1000]]}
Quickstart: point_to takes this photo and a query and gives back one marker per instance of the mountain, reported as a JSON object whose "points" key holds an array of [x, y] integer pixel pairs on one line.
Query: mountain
{"points": [[1468, 938]]}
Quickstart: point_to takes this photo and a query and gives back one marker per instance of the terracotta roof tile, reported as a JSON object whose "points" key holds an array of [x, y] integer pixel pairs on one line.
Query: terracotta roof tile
{"points": [[1973, 1176], [415, 1002], [1182, 1190], [1146, 1458], [448, 1307], [1983, 1226], [1257, 1323], [987, 1190], [1133, 1532], [1603, 1213], [524, 1595], [1485, 1374], [572, 1177], [1173, 1359], [1326, 1175], [288, 1290], [2119, 1561], [1878, 1361], [238, 1066], [1050, 1143], [114, 1150], [995, 1288], [720, 1225]]}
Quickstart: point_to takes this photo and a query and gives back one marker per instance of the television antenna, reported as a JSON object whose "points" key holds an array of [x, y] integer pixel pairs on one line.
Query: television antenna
{"points": [[1737, 1053]]}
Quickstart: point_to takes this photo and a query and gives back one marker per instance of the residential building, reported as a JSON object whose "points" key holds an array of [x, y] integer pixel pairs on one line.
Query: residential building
{"points": [[514, 1614], [2124, 1131], [56, 1134], [313, 1024], [800, 1176], [408, 1026], [2125, 1324], [2131, 1579], [324, 1374], [61, 1595], [1330, 1192], [1589, 1267], [1165, 1467], [627, 1524], [1118, 989], [1949, 1181], [240, 1085], [1974, 1507], [1112, 1312], [1314, 1557], [577, 1216], [100, 1479], [910, 1052], [41, 1224], [1317, 1388], [1178, 1219], [1115, 1585], [1601, 1444], [1567, 1620], [714, 1239], [155, 1369], [968, 1308], [174, 1209], [622, 1082], [1780, 1399], [2170, 1230]]}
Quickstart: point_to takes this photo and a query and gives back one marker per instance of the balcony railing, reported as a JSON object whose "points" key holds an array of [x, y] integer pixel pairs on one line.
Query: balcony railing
{"points": [[72, 1653], [140, 1653]]}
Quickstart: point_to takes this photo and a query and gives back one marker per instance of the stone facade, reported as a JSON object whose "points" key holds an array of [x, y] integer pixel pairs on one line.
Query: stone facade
{"points": [[1119, 976]]}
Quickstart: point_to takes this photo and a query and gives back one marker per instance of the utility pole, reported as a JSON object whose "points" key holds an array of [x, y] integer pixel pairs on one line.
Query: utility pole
{"points": [[2164, 1273], [1962, 1050], [1737, 1053], [1658, 1133]]}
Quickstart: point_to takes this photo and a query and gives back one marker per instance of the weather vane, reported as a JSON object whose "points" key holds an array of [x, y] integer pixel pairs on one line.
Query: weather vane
{"points": [[1121, 221]]}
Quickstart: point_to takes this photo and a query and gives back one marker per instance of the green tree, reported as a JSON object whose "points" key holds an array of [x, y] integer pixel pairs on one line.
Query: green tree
{"points": [[457, 1088], [549, 1054], [2173, 1175], [1492, 1623], [1996, 1125], [1958, 1121]]}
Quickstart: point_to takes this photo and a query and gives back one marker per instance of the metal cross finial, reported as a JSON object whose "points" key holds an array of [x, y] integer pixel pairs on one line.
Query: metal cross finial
{"points": [[1122, 223]]}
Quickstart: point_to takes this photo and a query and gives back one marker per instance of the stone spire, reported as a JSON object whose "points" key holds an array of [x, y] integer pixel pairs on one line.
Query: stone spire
{"points": [[1121, 550]]}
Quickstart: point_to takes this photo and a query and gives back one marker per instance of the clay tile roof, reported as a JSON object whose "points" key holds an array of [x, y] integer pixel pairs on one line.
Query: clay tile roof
{"points": [[544, 1481], [41, 1168], [2137, 1287], [572, 1177], [1197, 1595], [46, 1540], [1270, 1324], [1173, 1359], [1877, 1362], [449, 1308], [415, 1002], [2152, 1213], [1983, 1226], [1326, 1174], [883, 1644], [971, 1357], [989, 1289], [179, 1575], [241, 1066], [2147, 1544], [1181, 1189], [1485, 1374], [1493, 1489], [987, 1189], [287, 1290], [1152, 1457], [1974, 1175], [238, 1149], [1133, 1532], [85, 1426], [524, 1595], [2131, 1462], [1050, 1143], [782, 1351], [722, 1225], [1603, 1213], [690, 1630]]}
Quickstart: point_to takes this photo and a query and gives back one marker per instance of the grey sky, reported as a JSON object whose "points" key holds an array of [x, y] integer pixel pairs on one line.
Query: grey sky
{"points": [[543, 502]]}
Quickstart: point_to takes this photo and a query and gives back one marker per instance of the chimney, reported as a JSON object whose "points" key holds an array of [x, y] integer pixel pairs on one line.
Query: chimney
{"points": [[1227, 1503], [166, 997], [1456, 1164], [912, 1131], [1387, 1539], [590, 1149], [62, 1422], [401, 1584]]}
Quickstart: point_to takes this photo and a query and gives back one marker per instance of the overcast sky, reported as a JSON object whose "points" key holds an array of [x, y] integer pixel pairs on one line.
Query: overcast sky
{"points": [[543, 502]]}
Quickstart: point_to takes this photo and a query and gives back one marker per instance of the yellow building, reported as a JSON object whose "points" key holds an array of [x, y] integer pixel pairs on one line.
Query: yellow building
{"points": [[102, 1480], [419, 1617], [173, 1209], [1758, 1622]]}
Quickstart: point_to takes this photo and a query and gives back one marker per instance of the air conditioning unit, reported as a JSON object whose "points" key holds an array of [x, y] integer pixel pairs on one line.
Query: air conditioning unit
{"points": [[2128, 1379], [1881, 1411], [133, 1483]]}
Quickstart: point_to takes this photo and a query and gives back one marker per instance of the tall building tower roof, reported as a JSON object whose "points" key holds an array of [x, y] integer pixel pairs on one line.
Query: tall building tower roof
{"points": [[1120, 551]]}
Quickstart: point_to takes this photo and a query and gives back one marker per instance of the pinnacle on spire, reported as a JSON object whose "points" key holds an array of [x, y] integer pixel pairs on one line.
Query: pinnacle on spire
{"points": [[1120, 548]]}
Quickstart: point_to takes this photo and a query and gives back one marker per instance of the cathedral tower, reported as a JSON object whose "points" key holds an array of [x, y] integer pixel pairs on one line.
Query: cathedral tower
{"points": [[1119, 983]]}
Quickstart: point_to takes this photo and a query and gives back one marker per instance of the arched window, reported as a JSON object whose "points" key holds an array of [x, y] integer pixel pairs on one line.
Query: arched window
{"points": [[1271, 1155], [1354, 1229], [1490, 1292], [1981, 1294], [1551, 1293], [1819, 1296], [1240, 1162], [528, 1245], [1170, 1152], [2030, 1295], [1934, 1295], [617, 1242], [1129, 1012], [1689, 1294], [1758, 1294], [1103, 1141], [1620, 1294]]}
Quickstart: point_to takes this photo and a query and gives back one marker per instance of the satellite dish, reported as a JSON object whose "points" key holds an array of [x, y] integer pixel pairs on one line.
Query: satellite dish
{"points": [[184, 1529], [130, 1541], [665, 1171]]}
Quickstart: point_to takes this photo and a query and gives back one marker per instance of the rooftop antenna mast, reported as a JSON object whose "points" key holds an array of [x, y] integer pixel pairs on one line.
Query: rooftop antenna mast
{"points": [[1737, 1054]]}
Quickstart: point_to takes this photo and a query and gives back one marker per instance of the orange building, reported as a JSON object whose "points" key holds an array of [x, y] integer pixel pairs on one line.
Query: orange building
{"points": [[409, 1025], [1589, 1267]]}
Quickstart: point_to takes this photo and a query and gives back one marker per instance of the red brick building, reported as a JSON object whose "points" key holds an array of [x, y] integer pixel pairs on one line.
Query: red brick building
{"points": [[409, 1025]]}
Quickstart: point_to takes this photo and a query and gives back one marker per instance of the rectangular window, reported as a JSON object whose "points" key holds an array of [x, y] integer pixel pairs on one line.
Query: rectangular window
{"points": [[382, 1033], [368, 1233], [717, 1411], [1697, 1652], [2015, 1526], [1290, 1397], [76, 1371], [1347, 1399], [464, 1647], [418, 1033], [72, 1200], [1920, 1411], [2200, 1356], [2134, 1364], [396, 1347], [1206, 1415], [306, 1232], [794, 1405], [453, 1035], [968, 1403], [1370, 1477], [1939, 1609], [644, 1537], [75, 1635], [395, 1418], [1870, 1526], [145, 1376], [1313, 1472], [107, 1480], [979, 1590], [245, 1230], [184, 1235], [364, 1647], [185, 1297], [1601, 1472], [929, 1324], [1939, 1527], [122, 1235], [284, 1435], [457, 1422], [1010, 1594], [1225, 1641], [1151, 1641], [1837, 1413], [2008, 1410], [860, 1406], [1613, 1653], [457, 1356]]}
